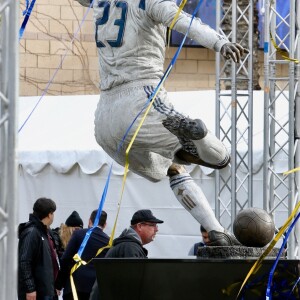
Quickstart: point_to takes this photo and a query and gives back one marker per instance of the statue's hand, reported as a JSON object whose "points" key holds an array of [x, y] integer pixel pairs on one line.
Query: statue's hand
{"points": [[233, 51]]}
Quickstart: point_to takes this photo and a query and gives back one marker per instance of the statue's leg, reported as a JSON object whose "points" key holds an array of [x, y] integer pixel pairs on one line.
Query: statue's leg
{"points": [[190, 195]]}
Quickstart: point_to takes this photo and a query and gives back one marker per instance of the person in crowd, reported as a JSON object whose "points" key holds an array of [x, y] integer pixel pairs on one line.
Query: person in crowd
{"points": [[205, 241], [84, 277], [37, 259], [131, 39], [63, 233], [131, 242], [72, 223], [142, 231]]}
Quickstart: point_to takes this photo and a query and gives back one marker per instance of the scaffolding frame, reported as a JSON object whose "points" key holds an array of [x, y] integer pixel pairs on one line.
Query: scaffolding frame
{"points": [[234, 190], [234, 115], [9, 92], [281, 133]]}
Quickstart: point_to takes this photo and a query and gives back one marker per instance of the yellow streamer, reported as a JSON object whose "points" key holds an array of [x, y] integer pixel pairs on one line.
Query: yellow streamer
{"points": [[291, 171], [282, 52], [78, 263], [181, 6], [257, 264], [119, 206], [76, 257]]}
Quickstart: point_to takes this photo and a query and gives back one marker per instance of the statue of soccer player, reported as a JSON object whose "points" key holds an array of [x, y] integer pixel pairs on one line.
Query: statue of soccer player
{"points": [[131, 38]]}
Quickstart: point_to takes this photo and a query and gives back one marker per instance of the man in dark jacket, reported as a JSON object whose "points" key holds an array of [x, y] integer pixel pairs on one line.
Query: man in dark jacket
{"points": [[85, 276], [38, 262], [141, 232], [131, 241]]}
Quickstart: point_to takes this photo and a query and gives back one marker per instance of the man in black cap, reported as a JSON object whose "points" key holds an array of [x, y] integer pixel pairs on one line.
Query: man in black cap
{"points": [[131, 241], [141, 232]]}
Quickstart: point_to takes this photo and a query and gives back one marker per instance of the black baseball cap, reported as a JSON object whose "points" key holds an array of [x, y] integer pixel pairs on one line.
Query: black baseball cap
{"points": [[144, 215]]}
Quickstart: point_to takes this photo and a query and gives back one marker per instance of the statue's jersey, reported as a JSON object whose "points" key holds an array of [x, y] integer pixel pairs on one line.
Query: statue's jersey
{"points": [[131, 38]]}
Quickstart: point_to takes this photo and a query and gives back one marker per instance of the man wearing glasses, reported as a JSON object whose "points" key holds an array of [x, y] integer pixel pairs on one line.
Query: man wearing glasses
{"points": [[141, 232], [131, 241]]}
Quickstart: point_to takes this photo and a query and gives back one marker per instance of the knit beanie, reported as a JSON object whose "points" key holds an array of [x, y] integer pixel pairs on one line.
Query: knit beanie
{"points": [[74, 220]]}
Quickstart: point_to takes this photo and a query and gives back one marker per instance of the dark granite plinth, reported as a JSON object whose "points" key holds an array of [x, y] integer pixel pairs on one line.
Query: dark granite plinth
{"points": [[234, 252], [193, 278]]}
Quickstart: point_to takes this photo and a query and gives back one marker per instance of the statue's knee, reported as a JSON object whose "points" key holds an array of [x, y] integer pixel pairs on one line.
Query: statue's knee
{"points": [[176, 169]]}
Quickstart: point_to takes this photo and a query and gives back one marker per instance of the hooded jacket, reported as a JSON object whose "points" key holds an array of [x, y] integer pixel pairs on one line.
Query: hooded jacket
{"points": [[128, 244], [35, 261]]}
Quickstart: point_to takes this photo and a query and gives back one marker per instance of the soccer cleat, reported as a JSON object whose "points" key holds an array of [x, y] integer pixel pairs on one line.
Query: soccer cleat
{"points": [[191, 129], [218, 238]]}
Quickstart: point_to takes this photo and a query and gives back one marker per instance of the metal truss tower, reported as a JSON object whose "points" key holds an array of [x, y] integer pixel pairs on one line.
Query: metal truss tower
{"points": [[282, 114], [234, 105], [9, 90], [234, 187]]}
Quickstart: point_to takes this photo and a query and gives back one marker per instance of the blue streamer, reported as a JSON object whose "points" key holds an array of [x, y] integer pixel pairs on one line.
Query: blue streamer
{"points": [[27, 13], [268, 291], [172, 63], [296, 283], [90, 230], [57, 69], [103, 198], [162, 79], [166, 74], [27, 5]]}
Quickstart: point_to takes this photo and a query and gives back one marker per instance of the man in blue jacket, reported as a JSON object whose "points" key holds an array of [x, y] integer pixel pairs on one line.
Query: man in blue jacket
{"points": [[205, 240], [85, 276]]}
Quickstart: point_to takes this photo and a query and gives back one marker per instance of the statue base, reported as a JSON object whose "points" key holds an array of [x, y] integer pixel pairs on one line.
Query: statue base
{"points": [[235, 252]]}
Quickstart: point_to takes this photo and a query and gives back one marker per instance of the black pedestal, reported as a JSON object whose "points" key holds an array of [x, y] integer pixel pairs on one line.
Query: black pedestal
{"points": [[189, 279]]}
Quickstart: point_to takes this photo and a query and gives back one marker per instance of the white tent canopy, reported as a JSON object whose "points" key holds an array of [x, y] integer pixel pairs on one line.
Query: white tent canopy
{"points": [[60, 159]]}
